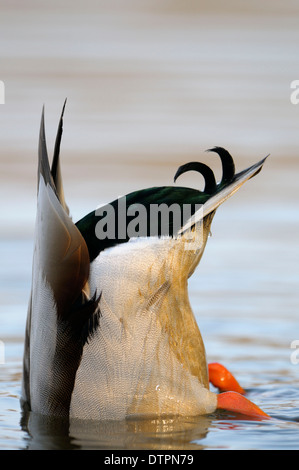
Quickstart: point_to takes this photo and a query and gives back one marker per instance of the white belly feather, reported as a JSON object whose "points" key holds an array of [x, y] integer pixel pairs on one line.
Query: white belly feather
{"points": [[133, 363]]}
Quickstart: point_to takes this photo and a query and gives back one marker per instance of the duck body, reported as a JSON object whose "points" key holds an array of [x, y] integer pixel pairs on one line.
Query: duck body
{"points": [[147, 357], [110, 331]]}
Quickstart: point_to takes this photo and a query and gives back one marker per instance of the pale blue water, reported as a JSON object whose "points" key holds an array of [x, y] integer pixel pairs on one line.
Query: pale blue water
{"points": [[150, 87]]}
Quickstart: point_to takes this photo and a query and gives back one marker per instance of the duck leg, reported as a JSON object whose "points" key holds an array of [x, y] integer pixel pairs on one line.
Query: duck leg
{"points": [[232, 398], [222, 379]]}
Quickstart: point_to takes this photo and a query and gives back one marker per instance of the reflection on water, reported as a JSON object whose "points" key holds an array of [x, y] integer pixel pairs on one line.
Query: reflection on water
{"points": [[164, 433], [156, 433], [220, 430], [151, 85]]}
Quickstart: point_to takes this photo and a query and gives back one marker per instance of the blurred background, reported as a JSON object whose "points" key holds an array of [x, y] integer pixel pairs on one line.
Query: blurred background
{"points": [[151, 85]]}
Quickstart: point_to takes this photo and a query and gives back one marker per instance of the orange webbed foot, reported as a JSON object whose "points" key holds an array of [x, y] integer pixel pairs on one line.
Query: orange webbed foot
{"points": [[222, 379], [232, 398], [233, 401]]}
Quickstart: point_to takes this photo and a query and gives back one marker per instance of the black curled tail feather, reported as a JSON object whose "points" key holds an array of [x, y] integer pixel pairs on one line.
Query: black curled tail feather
{"points": [[228, 170], [228, 166], [207, 173]]}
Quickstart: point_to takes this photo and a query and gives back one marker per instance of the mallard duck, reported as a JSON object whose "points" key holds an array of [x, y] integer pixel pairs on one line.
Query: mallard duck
{"points": [[110, 332]]}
